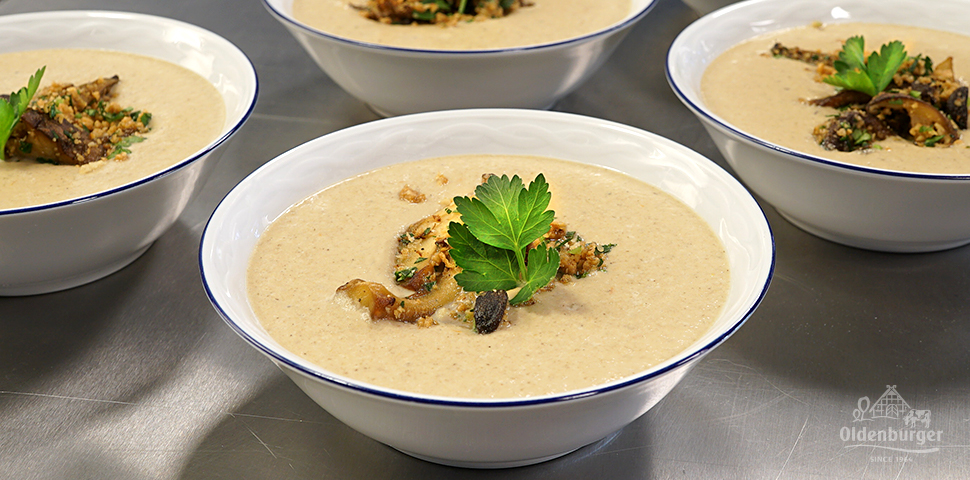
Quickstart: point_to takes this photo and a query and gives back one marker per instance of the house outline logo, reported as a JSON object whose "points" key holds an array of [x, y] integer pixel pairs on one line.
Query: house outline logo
{"points": [[891, 405], [903, 428]]}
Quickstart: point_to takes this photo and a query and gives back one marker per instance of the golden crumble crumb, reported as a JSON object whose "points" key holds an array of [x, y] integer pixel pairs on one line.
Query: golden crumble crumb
{"points": [[409, 194]]}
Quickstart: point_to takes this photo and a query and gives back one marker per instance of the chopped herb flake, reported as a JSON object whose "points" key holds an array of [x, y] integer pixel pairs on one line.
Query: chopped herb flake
{"points": [[405, 275]]}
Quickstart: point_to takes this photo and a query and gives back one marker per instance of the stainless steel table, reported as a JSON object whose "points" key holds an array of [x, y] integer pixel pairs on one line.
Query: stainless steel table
{"points": [[135, 376]]}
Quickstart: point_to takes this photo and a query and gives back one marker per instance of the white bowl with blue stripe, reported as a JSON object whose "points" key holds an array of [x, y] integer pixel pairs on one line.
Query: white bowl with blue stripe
{"points": [[394, 80], [854, 205], [64, 244], [501, 432]]}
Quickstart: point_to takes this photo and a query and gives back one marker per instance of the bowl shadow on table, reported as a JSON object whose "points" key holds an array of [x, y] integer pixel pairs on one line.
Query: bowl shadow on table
{"points": [[53, 328], [839, 317], [305, 441], [73, 347], [68, 327]]}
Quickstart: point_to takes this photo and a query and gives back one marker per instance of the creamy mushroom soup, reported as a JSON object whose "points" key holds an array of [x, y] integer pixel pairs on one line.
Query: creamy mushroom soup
{"points": [[764, 96], [664, 284], [187, 114], [543, 22]]}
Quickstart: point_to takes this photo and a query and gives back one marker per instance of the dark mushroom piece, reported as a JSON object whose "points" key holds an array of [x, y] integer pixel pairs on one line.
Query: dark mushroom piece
{"points": [[928, 92], [37, 136], [40, 137], [90, 93], [842, 99], [927, 125], [813, 57], [490, 310], [956, 107], [852, 130]]}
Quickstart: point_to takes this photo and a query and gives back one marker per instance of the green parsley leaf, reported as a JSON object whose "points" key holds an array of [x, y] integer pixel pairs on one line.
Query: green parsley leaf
{"points": [[484, 267], [870, 76], [505, 215], [882, 66], [853, 55], [12, 108], [543, 265], [499, 223]]}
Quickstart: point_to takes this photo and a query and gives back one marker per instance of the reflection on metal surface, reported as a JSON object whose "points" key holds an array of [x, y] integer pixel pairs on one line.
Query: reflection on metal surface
{"points": [[136, 376]]}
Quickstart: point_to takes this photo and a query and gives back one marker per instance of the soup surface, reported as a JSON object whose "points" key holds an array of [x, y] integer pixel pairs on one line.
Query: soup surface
{"points": [[665, 283], [764, 96], [543, 22], [187, 114]]}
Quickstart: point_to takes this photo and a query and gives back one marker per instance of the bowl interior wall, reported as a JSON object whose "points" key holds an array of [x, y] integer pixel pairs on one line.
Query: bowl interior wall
{"points": [[705, 39], [194, 48], [245, 213], [285, 8]]}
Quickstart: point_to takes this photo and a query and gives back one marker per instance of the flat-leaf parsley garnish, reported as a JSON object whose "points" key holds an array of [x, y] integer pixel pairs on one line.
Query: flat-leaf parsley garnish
{"points": [[499, 223], [13, 107], [855, 72]]}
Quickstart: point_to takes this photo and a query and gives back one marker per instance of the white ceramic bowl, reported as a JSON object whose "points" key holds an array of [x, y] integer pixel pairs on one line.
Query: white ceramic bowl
{"points": [[501, 432], [59, 245], [853, 205], [396, 81]]}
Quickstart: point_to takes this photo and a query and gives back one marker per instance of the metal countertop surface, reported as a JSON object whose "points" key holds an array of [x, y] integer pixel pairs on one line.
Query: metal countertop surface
{"points": [[135, 376]]}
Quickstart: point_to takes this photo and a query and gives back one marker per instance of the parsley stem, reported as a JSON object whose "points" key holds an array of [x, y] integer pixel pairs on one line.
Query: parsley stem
{"points": [[519, 257]]}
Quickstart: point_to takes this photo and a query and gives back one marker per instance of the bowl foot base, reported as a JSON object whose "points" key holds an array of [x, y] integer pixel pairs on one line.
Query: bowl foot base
{"points": [[892, 246], [484, 465], [49, 286], [386, 114], [586, 450]]}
